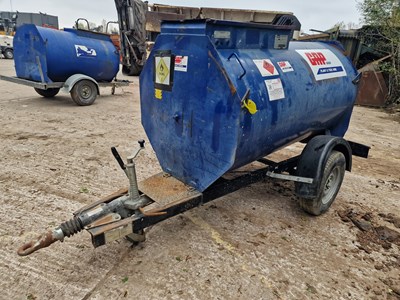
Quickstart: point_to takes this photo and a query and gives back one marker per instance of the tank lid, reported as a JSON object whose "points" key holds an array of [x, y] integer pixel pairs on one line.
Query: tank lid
{"points": [[228, 23], [232, 34]]}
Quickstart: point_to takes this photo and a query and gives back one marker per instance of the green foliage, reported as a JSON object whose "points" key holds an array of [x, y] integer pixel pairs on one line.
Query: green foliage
{"points": [[379, 12], [383, 20]]}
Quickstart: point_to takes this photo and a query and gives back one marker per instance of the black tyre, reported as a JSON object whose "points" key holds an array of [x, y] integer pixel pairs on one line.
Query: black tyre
{"points": [[49, 93], [331, 182], [8, 53], [84, 92]]}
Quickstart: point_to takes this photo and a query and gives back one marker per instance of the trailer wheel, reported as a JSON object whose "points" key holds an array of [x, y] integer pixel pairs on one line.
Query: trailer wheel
{"points": [[330, 184], [49, 93], [84, 92], [8, 53]]}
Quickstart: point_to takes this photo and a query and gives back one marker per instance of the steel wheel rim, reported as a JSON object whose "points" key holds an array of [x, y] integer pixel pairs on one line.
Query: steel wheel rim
{"points": [[8, 55], [86, 92], [331, 185]]}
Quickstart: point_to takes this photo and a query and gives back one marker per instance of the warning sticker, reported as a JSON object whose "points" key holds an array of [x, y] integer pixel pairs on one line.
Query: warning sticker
{"points": [[266, 67], [162, 69], [158, 94], [275, 89], [285, 66], [323, 63], [181, 63]]}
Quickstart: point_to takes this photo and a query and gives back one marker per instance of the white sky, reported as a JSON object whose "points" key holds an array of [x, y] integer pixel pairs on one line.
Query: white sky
{"points": [[316, 14]]}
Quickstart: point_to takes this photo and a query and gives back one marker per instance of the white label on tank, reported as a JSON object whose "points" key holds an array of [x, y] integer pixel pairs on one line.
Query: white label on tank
{"points": [[83, 51], [285, 66], [219, 34], [181, 63], [281, 41], [275, 89], [323, 63], [266, 67]]}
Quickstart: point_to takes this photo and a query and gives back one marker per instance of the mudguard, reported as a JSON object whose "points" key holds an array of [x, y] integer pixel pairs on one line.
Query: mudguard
{"points": [[313, 159], [72, 80]]}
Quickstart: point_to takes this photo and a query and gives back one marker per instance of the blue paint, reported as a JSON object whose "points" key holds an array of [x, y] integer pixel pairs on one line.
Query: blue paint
{"points": [[63, 53], [213, 133]]}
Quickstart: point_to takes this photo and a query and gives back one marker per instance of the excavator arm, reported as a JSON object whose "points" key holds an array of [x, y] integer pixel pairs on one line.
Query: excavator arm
{"points": [[132, 25], [139, 24]]}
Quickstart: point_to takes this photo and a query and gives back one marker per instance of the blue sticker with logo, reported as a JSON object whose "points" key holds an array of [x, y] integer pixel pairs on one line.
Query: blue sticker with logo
{"points": [[330, 70], [83, 51]]}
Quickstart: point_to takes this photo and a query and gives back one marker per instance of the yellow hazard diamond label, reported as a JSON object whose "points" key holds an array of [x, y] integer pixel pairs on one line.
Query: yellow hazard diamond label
{"points": [[162, 71]]}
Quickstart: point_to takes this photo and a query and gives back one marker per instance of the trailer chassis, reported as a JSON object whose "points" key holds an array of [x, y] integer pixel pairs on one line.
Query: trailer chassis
{"points": [[83, 89], [127, 212]]}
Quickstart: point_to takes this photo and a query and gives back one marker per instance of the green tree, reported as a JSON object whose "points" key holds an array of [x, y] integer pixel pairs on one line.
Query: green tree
{"points": [[382, 18]]}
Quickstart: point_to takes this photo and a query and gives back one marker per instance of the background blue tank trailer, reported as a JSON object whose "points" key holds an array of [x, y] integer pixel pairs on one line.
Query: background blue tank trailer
{"points": [[216, 96], [6, 46], [79, 61]]}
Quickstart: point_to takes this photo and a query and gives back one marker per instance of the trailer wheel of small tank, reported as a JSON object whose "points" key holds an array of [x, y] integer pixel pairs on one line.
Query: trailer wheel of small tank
{"points": [[84, 92], [8, 53], [49, 93], [332, 179]]}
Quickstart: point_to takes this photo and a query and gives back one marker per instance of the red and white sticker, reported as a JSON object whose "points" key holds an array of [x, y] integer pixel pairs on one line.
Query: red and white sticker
{"points": [[285, 66], [275, 89], [323, 63], [181, 63], [266, 67]]}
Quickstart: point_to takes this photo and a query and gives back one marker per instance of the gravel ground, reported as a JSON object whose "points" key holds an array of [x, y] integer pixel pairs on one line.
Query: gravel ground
{"points": [[253, 244]]}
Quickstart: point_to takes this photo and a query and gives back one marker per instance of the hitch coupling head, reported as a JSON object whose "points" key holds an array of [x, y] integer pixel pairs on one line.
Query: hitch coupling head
{"points": [[42, 241], [66, 229]]}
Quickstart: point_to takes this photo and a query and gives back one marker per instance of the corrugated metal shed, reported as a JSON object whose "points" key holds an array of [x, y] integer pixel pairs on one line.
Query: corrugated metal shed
{"points": [[39, 19]]}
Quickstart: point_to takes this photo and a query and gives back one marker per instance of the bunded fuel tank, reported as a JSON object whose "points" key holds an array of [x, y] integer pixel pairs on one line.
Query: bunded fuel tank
{"points": [[216, 95], [49, 55]]}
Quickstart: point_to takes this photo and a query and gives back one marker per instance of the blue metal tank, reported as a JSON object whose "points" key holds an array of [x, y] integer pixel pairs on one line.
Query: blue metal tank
{"points": [[49, 55], [235, 92]]}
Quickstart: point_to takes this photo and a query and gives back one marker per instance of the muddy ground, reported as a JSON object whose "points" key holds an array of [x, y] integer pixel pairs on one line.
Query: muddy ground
{"points": [[253, 244]]}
